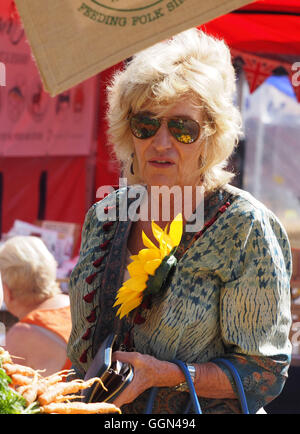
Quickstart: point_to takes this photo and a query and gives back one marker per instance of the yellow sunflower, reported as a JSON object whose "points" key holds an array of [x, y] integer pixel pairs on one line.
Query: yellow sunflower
{"points": [[151, 261]]}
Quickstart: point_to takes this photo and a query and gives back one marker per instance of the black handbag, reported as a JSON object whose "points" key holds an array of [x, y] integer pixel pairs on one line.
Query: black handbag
{"points": [[114, 375], [117, 375]]}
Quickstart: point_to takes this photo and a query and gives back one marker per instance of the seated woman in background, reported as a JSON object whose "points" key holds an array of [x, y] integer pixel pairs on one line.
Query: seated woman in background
{"points": [[2, 329], [31, 293]]}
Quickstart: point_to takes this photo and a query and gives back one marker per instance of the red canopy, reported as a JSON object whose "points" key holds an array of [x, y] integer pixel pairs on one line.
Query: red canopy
{"points": [[266, 26], [7, 9], [263, 27]]}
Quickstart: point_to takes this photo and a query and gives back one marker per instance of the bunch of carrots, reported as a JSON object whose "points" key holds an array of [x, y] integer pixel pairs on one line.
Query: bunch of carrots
{"points": [[51, 394]]}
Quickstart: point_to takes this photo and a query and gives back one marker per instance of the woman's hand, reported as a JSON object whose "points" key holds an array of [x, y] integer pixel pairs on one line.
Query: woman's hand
{"points": [[210, 381], [148, 372]]}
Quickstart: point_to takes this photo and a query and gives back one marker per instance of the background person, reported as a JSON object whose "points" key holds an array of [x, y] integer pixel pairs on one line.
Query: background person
{"points": [[172, 122], [32, 294], [1, 292]]}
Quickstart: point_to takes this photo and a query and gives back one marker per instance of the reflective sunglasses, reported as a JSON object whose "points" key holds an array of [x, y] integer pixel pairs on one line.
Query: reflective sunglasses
{"points": [[144, 126]]}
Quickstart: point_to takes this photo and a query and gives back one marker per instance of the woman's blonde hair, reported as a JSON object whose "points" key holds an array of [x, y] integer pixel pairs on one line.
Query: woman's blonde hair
{"points": [[29, 269], [190, 64]]}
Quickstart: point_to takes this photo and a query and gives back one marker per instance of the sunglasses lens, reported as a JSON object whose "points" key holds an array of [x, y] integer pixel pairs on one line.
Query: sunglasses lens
{"points": [[184, 130], [143, 126]]}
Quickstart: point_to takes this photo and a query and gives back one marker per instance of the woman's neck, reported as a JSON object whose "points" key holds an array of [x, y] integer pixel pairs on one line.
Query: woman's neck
{"points": [[54, 302], [20, 310], [165, 203]]}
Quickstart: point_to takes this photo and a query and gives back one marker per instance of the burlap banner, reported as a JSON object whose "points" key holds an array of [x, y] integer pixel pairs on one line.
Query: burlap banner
{"points": [[73, 40], [257, 69]]}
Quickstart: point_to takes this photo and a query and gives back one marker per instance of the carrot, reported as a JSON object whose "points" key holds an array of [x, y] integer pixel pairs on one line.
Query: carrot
{"points": [[45, 382], [58, 376], [52, 394], [63, 373], [66, 388], [4, 356], [21, 380], [21, 389], [61, 398], [30, 394], [13, 368], [41, 387], [80, 408]]}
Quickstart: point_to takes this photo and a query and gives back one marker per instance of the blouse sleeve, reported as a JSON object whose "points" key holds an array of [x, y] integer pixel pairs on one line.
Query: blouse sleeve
{"points": [[255, 316], [77, 287]]}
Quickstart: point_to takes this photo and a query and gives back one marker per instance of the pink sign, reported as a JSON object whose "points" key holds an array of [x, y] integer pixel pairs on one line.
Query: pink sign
{"points": [[31, 122]]}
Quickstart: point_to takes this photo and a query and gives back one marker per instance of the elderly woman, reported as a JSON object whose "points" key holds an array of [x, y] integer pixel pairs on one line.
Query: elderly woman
{"points": [[173, 123], [32, 294]]}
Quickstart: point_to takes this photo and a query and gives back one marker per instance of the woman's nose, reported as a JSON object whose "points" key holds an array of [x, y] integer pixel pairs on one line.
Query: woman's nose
{"points": [[162, 139]]}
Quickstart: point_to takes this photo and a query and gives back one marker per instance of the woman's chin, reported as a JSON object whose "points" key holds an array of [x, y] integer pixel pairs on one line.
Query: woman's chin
{"points": [[161, 182]]}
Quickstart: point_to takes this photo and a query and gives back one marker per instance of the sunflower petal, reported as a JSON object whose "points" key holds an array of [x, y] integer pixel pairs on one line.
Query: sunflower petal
{"points": [[166, 244], [125, 297], [157, 231], [128, 307], [151, 266], [149, 254], [125, 292], [163, 248], [134, 257], [148, 243], [135, 268], [122, 294], [137, 283], [175, 232]]}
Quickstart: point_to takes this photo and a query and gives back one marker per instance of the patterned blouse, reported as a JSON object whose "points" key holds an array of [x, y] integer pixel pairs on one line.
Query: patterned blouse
{"points": [[229, 297]]}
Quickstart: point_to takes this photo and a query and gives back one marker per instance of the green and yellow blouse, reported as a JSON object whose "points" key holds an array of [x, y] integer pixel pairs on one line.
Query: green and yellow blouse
{"points": [[229, 296]]}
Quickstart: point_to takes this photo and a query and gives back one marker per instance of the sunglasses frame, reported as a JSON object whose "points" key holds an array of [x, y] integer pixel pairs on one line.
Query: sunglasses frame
{"points": [[159, 120]]}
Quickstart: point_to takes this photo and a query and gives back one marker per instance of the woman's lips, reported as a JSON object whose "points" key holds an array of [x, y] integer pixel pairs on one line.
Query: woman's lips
{"points": [[161, 163]]}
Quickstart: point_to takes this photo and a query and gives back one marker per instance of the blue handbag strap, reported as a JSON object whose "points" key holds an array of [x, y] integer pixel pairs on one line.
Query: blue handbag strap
{"points": [[194, 398], [188, 378]]}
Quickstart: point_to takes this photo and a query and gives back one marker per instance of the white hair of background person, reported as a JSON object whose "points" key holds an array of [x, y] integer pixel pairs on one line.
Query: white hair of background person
{"points": [[29, 269]]}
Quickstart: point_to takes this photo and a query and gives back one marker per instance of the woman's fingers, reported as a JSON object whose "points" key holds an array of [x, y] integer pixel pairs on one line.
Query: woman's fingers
{"points": [[124, 356], [127, 396], [137, 360], [144, 370]]}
